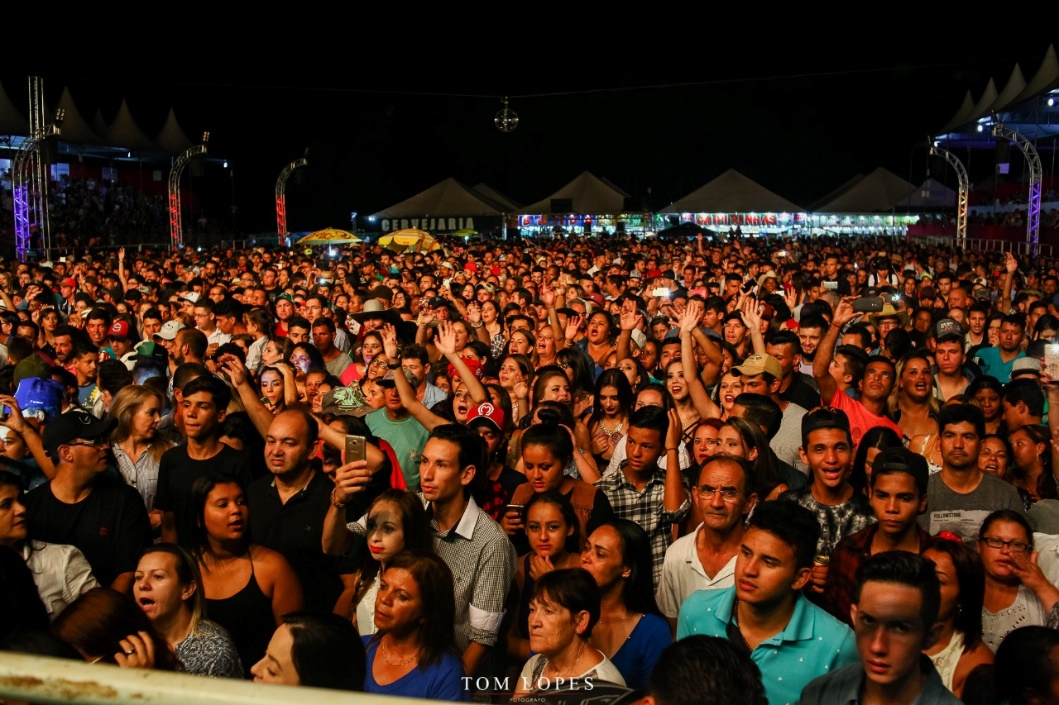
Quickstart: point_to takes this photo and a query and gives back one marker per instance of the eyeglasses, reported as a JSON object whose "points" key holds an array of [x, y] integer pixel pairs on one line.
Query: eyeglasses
{"points": [[728, 494], [97, 443], [1015, 546]]}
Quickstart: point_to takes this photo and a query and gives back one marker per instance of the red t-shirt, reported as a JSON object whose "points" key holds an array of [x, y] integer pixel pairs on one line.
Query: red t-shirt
{"points": [[860, 419]]}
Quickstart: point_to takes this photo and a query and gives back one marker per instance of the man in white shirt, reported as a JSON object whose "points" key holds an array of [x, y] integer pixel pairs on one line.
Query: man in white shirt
{"points": [[705, 558]]}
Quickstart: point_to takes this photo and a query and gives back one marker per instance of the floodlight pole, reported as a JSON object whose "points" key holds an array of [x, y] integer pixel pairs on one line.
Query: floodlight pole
{"points": [[176, 218], [962, 193], [281, 195], [1033, 204]]}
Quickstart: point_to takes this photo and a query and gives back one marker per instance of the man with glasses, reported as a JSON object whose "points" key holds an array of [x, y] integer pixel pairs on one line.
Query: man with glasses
{"points": [[961, 496], [705, 558], [83, 506]]}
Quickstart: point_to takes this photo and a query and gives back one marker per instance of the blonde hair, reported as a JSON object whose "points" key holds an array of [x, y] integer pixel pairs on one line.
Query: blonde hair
{"points": [[895, 396], [126, 403]]}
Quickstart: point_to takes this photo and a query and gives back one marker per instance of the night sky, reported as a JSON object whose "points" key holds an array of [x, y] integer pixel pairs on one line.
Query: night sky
{"points": [[799, 112]]}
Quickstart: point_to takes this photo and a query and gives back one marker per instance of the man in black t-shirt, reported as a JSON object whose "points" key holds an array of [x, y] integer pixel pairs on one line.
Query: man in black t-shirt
{"points": [[288, 507], [205, 401], [104, 518]]}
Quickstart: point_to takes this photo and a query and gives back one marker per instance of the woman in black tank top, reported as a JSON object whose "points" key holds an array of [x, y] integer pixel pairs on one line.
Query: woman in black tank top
{"points": [[248, 588]]}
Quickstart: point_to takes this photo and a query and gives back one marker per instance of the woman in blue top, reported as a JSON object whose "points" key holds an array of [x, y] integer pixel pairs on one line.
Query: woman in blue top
{"points": [[630, 632], [413, 653]]}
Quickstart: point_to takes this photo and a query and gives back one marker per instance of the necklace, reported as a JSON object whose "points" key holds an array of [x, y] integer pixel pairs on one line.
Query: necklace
{"points": [[614, 435], [384, 650], [573, 666], [735, 613], [616, 621]]}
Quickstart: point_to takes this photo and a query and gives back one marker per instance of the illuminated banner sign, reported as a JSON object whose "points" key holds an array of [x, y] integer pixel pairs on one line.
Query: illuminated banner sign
{"points": [[429, 224]]}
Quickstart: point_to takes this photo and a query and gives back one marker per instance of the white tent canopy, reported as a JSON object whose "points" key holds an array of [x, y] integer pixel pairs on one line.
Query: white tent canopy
{"points": [[731, 192], [588, 195]]}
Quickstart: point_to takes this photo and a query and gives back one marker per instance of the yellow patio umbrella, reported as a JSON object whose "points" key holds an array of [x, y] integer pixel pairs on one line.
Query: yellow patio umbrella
{"points": [[409, 240], [329, 236]]}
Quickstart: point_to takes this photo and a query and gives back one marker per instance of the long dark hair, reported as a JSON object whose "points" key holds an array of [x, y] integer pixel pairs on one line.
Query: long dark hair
{"points": [[638, 591], [326, 650], [435, 582], [970, 573], [552, 497], [611, 378], [878, 437], [194, 535], [414, 525], [97, 621]]}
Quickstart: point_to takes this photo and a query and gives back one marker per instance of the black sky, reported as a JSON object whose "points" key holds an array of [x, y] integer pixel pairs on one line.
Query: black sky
{"points": [[799, 113]]}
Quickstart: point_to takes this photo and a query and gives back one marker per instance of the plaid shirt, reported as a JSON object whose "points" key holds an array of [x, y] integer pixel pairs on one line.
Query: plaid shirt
{"points": [[646, 508], [482, 561], [842, 570]]}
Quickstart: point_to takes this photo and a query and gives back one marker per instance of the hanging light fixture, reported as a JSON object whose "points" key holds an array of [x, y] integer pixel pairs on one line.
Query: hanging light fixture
{"points": [[506, 119]]}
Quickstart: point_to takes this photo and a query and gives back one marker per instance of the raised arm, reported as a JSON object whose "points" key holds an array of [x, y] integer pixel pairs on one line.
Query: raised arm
{"points": [[699, 398], [446, 344], [17, 423], [627, 321], [752, 320], [844, 313], [259, 414], [1012, 266], [408, 395]]}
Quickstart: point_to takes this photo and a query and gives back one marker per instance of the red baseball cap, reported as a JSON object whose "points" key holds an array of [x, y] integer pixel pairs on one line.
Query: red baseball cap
{"points": [[69, 282], [119, 329], [488, 412]]}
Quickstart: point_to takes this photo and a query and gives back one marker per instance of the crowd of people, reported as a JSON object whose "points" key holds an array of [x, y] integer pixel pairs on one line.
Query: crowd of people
{"points": [[803, 470]]}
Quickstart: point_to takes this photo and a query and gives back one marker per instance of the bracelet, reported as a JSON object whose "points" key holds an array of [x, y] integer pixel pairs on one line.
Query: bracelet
{"points": [[479, 325], [670, 450], [393, 366], [335, 502]]}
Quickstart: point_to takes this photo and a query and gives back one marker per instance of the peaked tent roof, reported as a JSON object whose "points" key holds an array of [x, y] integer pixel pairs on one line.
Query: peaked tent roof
{"points": [[731, 192], [834, 193], [11, 120], [879, 191], [125, 133], [931, 194], [981, 108], [449, 197], [962, 115], [74, 128], [98, 123], [588, 194], [171, 137], [1046, 78], [502, 201], [1014, 87]]}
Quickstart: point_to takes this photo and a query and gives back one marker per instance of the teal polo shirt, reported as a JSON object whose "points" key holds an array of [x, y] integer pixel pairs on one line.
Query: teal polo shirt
{"points": [[813, 643]]}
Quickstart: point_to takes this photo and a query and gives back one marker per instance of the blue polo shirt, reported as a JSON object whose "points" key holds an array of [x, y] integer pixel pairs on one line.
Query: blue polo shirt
{"points": [[812, 644]]}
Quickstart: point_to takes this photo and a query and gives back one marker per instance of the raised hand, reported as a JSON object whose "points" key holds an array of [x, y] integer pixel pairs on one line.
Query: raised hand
{"points": [[676, 430], [234, 368], [389, 341], [547, 295], [1010, 263], [15, 420], [573, 325], [445, 341], [474, 314], [689, 321], [748, 310], [844, 312], [629, 317], [351, 479]]}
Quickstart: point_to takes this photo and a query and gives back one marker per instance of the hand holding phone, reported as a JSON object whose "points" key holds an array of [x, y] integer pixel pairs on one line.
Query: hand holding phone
{"points": [[356, 448]]}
